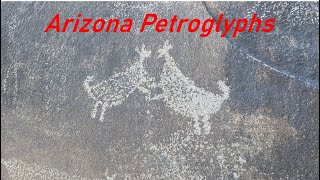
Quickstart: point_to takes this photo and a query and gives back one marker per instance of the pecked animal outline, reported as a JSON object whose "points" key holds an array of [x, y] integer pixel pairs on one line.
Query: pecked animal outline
{"points": [[118, 87], [182, 95]]}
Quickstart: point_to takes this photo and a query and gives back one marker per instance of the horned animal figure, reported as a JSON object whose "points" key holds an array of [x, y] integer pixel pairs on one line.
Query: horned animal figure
{"points": [[118, 87], [182, 95]]}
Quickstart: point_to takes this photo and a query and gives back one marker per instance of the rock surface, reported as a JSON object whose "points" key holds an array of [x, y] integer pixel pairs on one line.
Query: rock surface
{"points": [[159, 105]]}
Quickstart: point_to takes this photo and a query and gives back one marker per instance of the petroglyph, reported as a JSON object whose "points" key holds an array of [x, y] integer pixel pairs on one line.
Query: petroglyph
{"points": [[182, 95], [178, 91], [19, 170], [117, 88]]}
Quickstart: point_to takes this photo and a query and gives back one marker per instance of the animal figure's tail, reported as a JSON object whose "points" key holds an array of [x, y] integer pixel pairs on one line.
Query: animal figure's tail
{"points": [[88, 87], [225, 89]]}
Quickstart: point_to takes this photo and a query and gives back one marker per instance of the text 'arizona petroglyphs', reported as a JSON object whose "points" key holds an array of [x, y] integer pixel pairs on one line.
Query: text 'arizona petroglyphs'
{"points": [[177, 91]]}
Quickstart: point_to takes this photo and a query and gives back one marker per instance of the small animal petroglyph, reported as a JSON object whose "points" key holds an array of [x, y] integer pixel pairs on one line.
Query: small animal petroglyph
{"points": [[117, 88], [19, 170], [178, 91]]}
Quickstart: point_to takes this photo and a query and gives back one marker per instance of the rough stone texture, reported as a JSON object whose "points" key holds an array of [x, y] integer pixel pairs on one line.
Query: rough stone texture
{"points": [[208, 108]]}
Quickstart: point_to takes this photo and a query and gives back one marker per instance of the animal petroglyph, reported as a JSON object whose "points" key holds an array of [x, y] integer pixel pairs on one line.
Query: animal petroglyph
{"points": [[182, 95], [177, 91], [117, 88]]}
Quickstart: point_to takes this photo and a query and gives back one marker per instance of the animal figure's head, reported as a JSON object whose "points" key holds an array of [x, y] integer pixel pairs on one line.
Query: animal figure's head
{"points": [[143, 53]]}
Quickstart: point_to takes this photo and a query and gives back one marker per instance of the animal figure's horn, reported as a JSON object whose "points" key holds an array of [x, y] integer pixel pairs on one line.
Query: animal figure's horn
{"points": [[143, 53], [165, 50]]}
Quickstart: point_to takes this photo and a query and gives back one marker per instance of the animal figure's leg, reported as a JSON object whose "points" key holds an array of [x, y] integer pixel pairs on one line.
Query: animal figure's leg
{"points": [[88, 87], [206, 124], [196, 125], [103, 110], [95, 109]]}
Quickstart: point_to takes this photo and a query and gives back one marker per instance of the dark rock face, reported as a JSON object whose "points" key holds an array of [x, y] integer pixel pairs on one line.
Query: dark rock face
{"points": [[159, 105], [292, 48]]}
